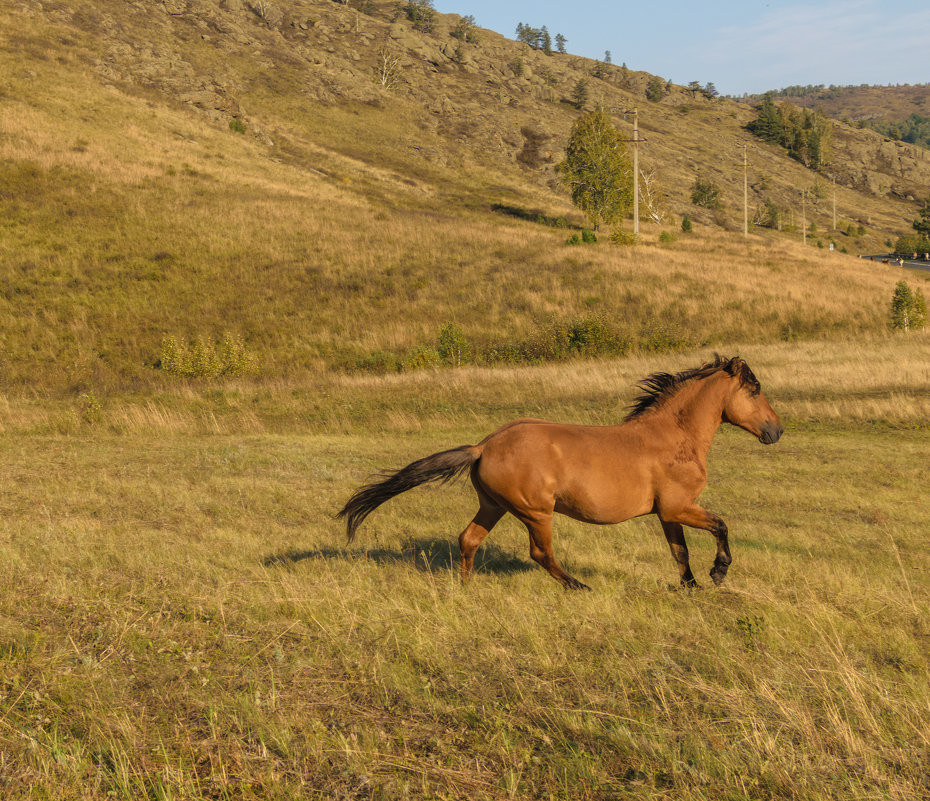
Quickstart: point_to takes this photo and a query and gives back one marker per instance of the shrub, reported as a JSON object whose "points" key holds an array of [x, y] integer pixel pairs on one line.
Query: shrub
{"points": [[421, 357], [594, 336], [236, 125], [203, 359], [587, 237], [624, 238], [705, 193], [667, 237], [453, 347], [686, 226], [912, 243], [771, 215]]}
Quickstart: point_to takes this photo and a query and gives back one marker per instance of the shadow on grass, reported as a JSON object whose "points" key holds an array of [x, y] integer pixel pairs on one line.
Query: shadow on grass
{"points": [[428, 555], [535, 216]]}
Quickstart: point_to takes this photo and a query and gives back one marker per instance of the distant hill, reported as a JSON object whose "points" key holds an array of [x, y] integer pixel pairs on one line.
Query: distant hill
{"points": [[897, 112], [858, 103]]}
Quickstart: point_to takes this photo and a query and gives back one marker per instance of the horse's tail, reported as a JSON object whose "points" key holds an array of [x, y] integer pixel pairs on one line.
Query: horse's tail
{"points": [[442, 467]]}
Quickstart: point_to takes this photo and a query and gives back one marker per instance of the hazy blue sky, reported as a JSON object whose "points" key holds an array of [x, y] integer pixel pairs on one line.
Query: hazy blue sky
{"points": [[739, 46]]}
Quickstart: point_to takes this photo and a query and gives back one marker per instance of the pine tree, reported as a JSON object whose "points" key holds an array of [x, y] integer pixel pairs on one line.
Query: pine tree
{"points": [[768, 125], [560, 42], [922, 226], [655, 89], [545, 40]]}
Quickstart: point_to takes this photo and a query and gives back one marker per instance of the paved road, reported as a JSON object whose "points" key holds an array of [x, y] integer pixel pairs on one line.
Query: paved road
{"points": [[891, 258]]}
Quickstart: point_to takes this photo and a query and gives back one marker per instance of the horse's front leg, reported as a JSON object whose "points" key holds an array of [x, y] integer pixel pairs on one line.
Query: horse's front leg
{"points": [[698, 517]]}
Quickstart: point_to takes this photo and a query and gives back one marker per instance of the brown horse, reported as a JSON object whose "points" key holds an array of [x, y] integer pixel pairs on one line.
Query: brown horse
{"points": [[655, 461]]}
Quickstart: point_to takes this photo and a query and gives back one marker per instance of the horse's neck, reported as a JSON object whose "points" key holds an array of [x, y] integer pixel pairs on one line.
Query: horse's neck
{"points": [[697, 409]]}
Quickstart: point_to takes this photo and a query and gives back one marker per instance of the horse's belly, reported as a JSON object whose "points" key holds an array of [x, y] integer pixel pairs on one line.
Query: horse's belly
{"points": [[604, 510]]}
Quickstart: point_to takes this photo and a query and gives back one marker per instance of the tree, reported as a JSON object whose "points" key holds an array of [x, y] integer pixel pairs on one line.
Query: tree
{"points": [[421, 14], [466, 29], [806, 135], [768, 124], [908, 309], [387, 68], [709, 91], [597, 168], [704, 192], [655, 89], [545, 41], [607, 57], [560, 42], [580, 93], [922, 226], [651, 196]]}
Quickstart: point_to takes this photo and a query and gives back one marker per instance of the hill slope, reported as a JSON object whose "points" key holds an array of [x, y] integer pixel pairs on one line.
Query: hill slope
{"points": [[192, 170]]}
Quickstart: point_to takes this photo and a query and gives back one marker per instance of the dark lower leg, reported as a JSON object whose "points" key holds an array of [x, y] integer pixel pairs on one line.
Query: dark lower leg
{"points": [[698, 517], [542, 553], [675, 535], [723, 559]]}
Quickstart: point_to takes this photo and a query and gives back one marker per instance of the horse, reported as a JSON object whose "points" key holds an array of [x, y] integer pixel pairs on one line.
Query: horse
{"points": [[653, 462]]}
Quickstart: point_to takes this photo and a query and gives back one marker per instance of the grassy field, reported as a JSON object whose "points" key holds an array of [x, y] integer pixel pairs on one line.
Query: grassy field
{"points": [[180, 617]]}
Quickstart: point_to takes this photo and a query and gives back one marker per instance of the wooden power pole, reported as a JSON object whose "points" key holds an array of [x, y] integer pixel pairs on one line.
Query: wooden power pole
{"points": [[636, 172], [745, 190], [804, 217]]}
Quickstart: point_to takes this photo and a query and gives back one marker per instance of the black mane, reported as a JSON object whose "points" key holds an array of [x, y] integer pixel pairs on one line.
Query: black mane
{"points": [[659, 386]]}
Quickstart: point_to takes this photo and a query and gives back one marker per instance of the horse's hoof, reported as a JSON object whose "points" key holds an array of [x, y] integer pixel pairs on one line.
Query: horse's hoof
{"points": [[574, 584]]}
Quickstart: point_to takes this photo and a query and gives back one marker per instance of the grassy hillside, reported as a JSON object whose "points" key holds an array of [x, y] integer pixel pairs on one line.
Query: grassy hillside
{"points": [[339, 223]]}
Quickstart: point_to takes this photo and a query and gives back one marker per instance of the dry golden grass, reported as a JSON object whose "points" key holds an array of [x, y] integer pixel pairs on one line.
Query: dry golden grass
{"points": [[179, 617]]}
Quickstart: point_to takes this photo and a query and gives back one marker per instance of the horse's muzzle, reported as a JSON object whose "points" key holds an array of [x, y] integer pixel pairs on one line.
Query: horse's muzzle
{"points": [[771, 433]]}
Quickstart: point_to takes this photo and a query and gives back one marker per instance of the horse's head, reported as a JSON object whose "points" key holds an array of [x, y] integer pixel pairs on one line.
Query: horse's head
{"points": [[747, 406]]}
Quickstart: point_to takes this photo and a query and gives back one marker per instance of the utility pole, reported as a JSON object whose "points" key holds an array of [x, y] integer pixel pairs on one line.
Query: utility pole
{"points": [[635, 172], [745, 190], [803, 217]]}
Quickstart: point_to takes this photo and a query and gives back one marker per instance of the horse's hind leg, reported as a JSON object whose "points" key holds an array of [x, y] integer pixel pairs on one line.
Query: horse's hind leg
{"points": [[675, 535], [475, 532], [540, 530]]}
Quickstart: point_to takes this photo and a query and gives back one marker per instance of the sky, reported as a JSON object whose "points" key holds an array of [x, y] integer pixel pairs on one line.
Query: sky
{"points": [[743, 47]]}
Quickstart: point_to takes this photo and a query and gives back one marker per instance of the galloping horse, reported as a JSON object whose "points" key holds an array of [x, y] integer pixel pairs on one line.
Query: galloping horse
{"points": [[654, 462]]}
